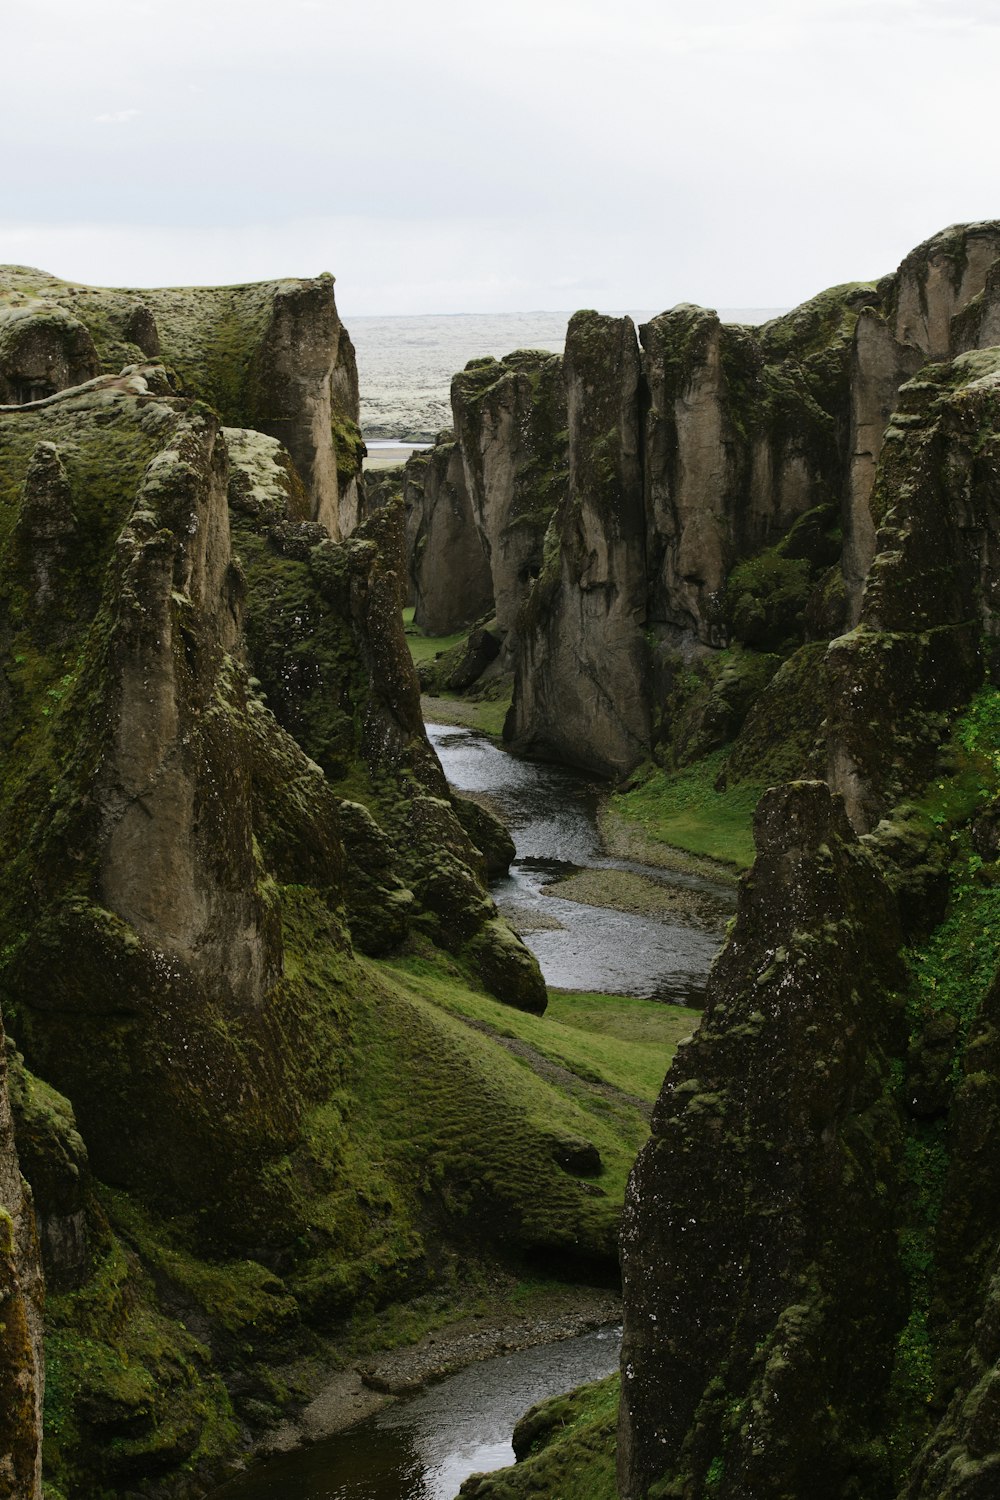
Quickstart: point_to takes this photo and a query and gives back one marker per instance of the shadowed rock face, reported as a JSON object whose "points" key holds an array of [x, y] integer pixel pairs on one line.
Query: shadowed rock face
{"points": [[510, 420], [743, 435], [580, 692], [449, 571], [273, 356], [43, 349], [761, 1283], [810, 1243], [932, 308], [929, 622], [21, 1304]]}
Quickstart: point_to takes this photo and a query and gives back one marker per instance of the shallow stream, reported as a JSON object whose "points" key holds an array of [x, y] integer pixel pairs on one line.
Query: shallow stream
{"points": [[552, 817], [423, 1448]]}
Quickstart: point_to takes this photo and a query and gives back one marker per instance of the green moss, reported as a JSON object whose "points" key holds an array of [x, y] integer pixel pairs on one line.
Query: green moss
{"points": [[572, 1454], [612, 1039]]}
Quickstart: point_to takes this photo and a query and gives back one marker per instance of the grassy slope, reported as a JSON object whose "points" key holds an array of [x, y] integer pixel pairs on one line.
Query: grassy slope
{"points": [[683, 810]]}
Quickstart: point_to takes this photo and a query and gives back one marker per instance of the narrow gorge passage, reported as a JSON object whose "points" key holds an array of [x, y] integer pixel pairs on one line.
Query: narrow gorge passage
{"points": [[424, 1447]]}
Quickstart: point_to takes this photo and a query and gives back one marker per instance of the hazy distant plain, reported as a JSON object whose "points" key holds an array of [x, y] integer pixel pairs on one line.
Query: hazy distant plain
{"points": [[405, 365]]}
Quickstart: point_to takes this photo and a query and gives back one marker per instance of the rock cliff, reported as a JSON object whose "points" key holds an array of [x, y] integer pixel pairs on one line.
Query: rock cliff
{"points": [[580, 653], [510, 423], [748, 498], [22, 1375], [810, 1243], [218, 807], [273, 356], [451, 581]]}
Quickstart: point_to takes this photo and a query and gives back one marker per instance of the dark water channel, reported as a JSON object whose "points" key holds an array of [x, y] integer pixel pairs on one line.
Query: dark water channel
{"points": [[552, 816], [423, 1448]]}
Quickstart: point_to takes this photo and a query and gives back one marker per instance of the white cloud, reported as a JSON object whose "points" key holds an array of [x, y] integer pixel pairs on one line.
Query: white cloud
{"points": [[555, 150]]}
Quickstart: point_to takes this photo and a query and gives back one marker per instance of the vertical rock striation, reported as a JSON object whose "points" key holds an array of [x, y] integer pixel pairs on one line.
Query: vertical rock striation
{"points": [[581, 661], [510, 421], [449, 571]]}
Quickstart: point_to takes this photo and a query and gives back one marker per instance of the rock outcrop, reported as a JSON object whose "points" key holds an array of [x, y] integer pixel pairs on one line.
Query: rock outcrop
{"points": [[748, 501], [761, 1286], [931, 309], [581, 662], [273, 356], [811, 1239], [929, 618], [510, 422], [21, 1303], [450, 579]]}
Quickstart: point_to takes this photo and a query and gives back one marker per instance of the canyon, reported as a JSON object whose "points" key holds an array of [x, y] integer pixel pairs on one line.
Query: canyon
{"points": [[254, 984]]}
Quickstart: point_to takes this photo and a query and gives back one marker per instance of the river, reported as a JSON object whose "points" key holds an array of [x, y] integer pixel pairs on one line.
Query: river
{"points": [[424, 1447], [552, 815]]}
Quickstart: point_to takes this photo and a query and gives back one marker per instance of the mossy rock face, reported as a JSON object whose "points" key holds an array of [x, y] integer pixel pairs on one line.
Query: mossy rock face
{"points": [[565, 1450], [706, 705], [511, 426], [240, 1129], [272, 356], [782, 736], [583, 619], [56, 1163], [773, 1120], [22, 1297], [326, 642], [43, 349], [929, 620], [767, 596]]}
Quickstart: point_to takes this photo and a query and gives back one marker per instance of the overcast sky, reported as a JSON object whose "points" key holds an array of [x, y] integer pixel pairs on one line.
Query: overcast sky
{"points": [[451, 155]]}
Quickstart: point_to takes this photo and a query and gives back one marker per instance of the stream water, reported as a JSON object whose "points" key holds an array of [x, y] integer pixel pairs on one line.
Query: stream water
{"points": [[424, 1447], [552, 816]]}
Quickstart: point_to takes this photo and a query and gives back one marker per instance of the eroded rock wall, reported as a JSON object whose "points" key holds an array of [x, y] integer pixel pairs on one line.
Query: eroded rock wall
{"points": [[762, 1292], [22, 1374], [811, 1236], [931, 308], [450, 575], [273, 356], [510, 421], [580, 652], [929, 624]]}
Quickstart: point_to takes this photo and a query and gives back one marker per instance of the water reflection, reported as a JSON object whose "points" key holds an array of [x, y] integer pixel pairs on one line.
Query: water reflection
{"points": [[552, 815], [423, 1448]]}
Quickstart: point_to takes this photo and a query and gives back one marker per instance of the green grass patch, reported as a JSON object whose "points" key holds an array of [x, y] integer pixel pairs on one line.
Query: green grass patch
{"points": [[617, 1040], [485, 715], [428, 647], [682, 809]]}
